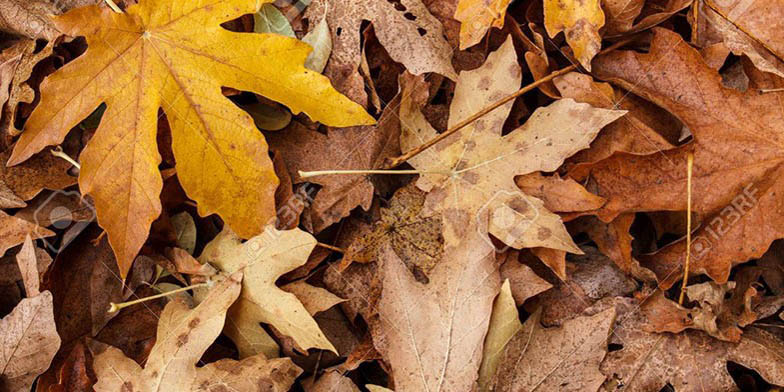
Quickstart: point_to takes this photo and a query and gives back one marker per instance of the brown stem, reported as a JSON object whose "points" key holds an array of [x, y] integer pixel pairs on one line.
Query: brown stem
{"points": [[330, 247], [395, 162]]}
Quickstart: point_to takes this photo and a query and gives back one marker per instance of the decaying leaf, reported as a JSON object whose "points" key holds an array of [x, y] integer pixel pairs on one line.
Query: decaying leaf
{"points": [[580, 20], [263, 259], [524, 282], [504, 324], [415, 239], [149, 58], [183, 337], [14, 230], [432, 335], [689, 361], [479, 165], [566, 358], [28, 342]]}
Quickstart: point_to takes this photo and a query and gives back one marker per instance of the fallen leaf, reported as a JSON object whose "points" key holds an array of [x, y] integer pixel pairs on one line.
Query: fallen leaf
{"points": [[620, 14], [689, 361], [269, 19], [504, 324], [41, 171], [356, 148], [186, 231], [652, 13], [407, 30], [415, 239], [477, 17], [432, 335], [320, 38], [29, 342], [615, 241], [735, 149], [183, 337], [580, 20], [332, 381], [28, 265], [525, 283], [314, 299], [479, 165], [14, 230], [566, 358], [264, 259], [152, 53], [30, 18], [559, 194]]}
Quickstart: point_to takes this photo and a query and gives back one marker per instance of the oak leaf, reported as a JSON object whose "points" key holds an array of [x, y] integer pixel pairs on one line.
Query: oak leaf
{"points": [[737, 149], [28, 343], [183, 337], [432, 335], [264, 259], [580, 20], [472, 172], [176, 56]]}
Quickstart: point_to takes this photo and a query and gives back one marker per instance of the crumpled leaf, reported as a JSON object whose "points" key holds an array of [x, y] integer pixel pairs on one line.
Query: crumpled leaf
{"points": [[736, 139], [504, 324], [565, 358], [478, 16], [164, 53], [689, 361], [412, 37], [28, 343], [358, 148], [580, 20], [183, 337], [432, 335], [30, 18], [652, 13], [264, 259], [415, 239], [479, 165]]}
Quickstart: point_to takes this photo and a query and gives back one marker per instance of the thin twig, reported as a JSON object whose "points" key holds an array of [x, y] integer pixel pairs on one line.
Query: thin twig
{"points": [[330, 247], [689, 165], [395, 162]]}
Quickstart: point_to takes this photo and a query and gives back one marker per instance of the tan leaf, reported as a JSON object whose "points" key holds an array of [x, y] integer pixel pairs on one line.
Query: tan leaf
{"points": [[432, 335], [472, 172], [28, 265], [14, 230], [559, 194], [264, 259], [580, 20], [620, 14], [314, 299], [565, 358], [504, 324], [28, 342], [183, 337], [524, 282]]}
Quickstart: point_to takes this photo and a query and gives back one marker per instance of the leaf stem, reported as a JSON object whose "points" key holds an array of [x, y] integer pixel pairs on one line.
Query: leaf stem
{"points": [[330, 247], [309, 174], [689, 166], [113, 307], [58, 152], [395, 162], [770, 90], [113, 6]]}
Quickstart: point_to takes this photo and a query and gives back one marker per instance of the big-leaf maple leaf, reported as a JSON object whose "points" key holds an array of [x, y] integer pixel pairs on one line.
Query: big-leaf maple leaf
{"points": [[473, 171], [175, 55], [738, 158]]}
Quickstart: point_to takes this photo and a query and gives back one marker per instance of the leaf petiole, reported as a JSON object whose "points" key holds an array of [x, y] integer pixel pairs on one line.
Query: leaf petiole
{"points": [[114, 307]]}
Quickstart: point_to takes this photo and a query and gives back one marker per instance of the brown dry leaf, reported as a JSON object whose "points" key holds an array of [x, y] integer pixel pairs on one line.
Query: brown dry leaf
{"points": [[183, 337], [504, 324], [148, 58], [42, 171], [559, 194], [28, 342], [525, 283], [331, 381], [472, 172], [620, 14], [355, 148], [432, 335], [634, 133], [477, 17], [689, 361], [737, 139], [580, 20], [31, 18], [565, 358], [314, 299], [415, 239], [28, 265], [264, 259], [14, 230], [66, 207], [653, 13], [615, 241], [360, 285], [405, 28], [747, 27], [664, 315]]}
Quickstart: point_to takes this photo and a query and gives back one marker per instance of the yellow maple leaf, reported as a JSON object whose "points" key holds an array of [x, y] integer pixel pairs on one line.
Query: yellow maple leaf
{"points": [[477, 16], [580, 20], [174, 55]]}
